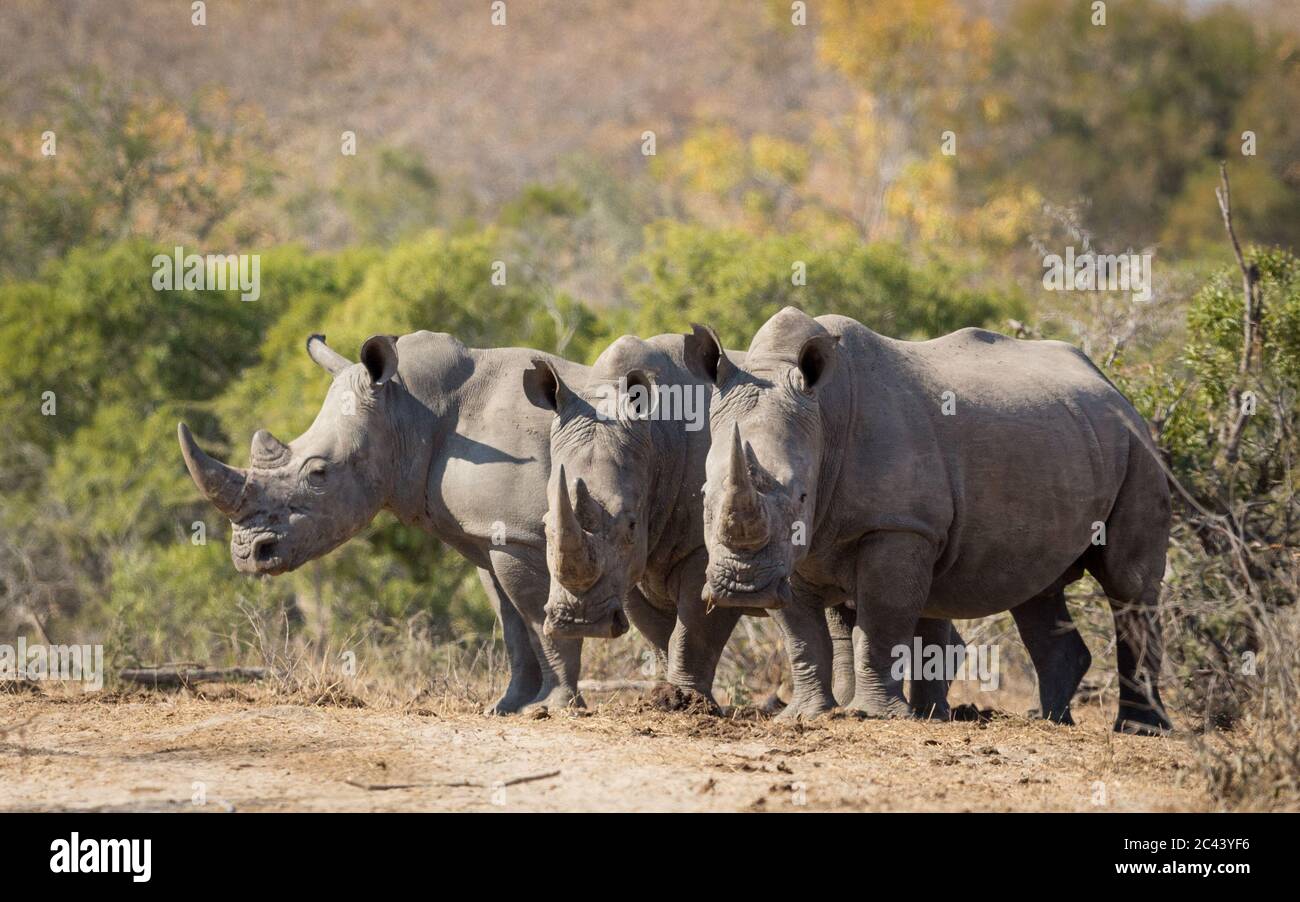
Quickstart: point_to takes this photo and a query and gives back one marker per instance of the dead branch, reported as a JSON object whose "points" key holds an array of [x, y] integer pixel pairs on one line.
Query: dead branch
{"points": [[381, 787], [454, 784], [1235, 425], [175, 678]]}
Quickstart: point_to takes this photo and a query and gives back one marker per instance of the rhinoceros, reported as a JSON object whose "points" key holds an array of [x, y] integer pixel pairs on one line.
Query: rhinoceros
{"points": [[952, 478], [625, 513], [441, 435]]}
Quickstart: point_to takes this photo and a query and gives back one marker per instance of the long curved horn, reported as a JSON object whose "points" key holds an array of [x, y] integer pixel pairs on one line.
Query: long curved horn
{"points": [[220, 484], [574, 566], [743, 521], [326, 357], [268, 451]]}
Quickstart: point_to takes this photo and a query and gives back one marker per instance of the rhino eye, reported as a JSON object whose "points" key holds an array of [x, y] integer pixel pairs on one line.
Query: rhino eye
{"points": [[316, 477]]}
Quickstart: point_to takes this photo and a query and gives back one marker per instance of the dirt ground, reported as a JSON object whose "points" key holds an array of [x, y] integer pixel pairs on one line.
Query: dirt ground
{"points": [[232, 752]]}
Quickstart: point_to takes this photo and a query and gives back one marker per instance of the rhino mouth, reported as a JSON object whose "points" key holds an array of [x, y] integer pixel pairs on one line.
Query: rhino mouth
{"points": [[258, 551], [729, 573], [566, 625], [735, 582]]}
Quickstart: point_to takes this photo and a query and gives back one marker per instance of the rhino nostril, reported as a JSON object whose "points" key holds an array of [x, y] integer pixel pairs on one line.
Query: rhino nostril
{"points": [[264, 549]]}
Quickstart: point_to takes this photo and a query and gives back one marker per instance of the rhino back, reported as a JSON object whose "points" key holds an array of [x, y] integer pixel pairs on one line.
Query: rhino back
{"points": [[488, 445]]}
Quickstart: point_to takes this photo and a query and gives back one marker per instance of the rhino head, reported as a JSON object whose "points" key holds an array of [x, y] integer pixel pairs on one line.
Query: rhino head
{"points": [[764, 458], [297, 501], [597, 518]]}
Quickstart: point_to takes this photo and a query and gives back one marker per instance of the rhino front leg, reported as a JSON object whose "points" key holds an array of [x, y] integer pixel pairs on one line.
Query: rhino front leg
{"points": [[525, 672], [654, 624], [698, 636], [559, 660], [697, 643], [893, 584], [808, 646], [561, 663], [839, 620]]}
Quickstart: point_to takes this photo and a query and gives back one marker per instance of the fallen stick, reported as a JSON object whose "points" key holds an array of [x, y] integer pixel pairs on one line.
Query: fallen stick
{"points": [[529, 779], [380, 787], [515, 781], [167, 678]]}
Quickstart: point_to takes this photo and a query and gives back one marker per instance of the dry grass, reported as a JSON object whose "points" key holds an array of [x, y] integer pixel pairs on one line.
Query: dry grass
{"points": [[1253, 766]]}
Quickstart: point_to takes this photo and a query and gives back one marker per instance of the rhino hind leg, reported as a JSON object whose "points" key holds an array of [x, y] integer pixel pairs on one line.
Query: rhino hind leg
{"points": [[1060, 656], [525, 673], [929, 698], [1129, 567]]}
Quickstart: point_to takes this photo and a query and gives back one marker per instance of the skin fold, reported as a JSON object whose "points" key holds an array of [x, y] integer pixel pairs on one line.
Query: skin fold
{"points": [[952, 478]]}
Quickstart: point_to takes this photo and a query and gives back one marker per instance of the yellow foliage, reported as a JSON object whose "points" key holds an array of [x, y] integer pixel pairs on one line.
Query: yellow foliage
{"points": [[780, 159], [889, 45], [712, 161], [1005, 220], [924, 199]]}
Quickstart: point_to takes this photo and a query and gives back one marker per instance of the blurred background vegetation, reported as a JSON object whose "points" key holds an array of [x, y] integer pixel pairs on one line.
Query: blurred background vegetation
{"points": [[776, 146]]}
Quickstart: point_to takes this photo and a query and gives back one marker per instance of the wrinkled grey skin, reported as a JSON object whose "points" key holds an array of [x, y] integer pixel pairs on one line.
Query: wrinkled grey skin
{"points": [[624, 522], [442, 436], [913, 513]]}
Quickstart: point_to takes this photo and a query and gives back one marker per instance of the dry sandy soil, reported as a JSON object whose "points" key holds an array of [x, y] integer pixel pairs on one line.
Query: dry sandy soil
{"points": [[147, 752]]}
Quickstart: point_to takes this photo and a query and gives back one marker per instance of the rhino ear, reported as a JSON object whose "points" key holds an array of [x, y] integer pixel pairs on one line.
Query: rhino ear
{"points": [[705, 356], [642, 394], [379, 354], [543, 386], [328, 359], [816, 359]]}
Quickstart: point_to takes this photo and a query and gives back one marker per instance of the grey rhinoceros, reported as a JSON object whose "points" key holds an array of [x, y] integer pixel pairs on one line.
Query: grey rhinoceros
{"points": [[952, 478], [625, 513], [441, 435]]}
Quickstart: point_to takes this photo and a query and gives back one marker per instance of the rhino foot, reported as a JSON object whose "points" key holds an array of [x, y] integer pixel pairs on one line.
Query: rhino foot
{"points": [[805, 709], [1063, 717], [559, 699], [511, 702], [1144, 723], [935, 711], [895, 708]]}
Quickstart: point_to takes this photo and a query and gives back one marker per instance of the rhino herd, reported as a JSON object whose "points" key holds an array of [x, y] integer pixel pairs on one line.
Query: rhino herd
{"points": [[859, 490]]}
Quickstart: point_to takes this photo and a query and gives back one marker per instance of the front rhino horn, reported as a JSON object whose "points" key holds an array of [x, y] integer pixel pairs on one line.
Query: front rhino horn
{"points": [[268, 451], [574, 567], [743, 520], [220, 484]]}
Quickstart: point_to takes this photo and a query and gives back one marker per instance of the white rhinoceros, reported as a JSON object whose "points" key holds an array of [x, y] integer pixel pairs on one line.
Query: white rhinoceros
{"points": [[951, 478], [442, 436]]}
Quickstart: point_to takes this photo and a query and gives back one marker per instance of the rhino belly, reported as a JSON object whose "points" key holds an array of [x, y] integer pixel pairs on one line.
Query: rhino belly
{"points": [[1029, 502]]}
